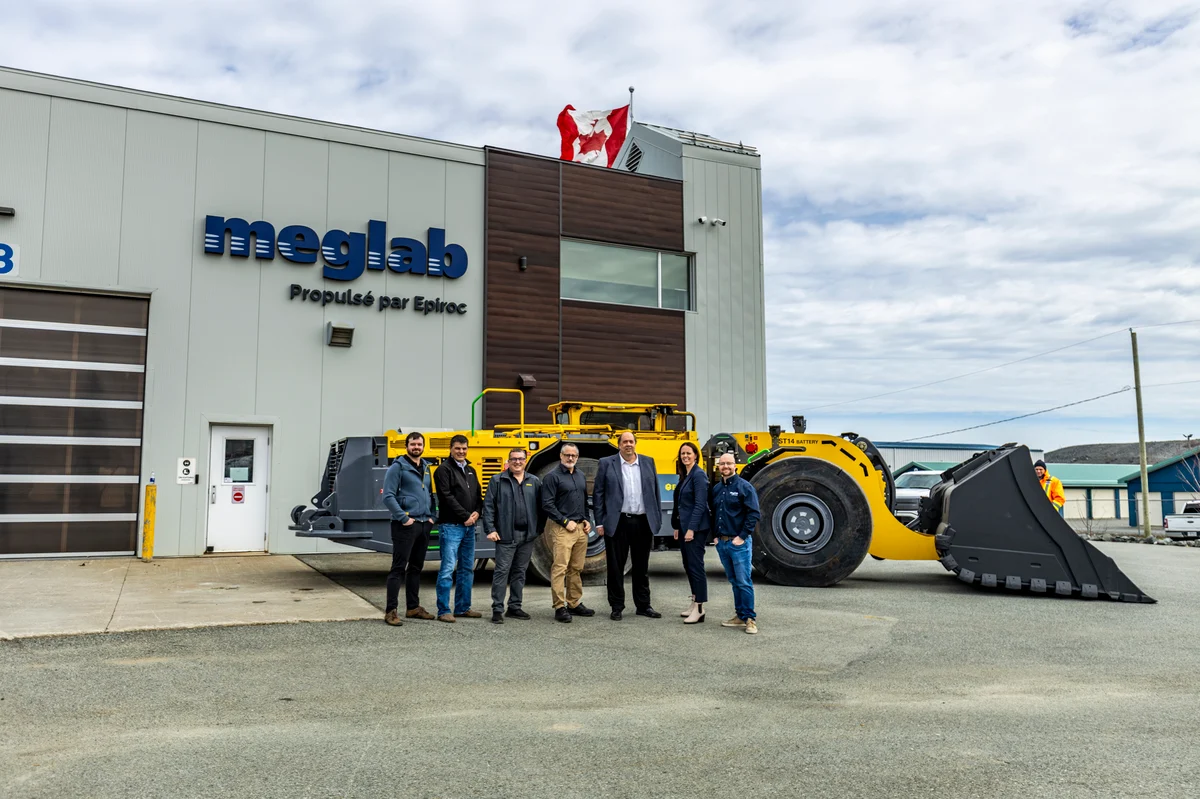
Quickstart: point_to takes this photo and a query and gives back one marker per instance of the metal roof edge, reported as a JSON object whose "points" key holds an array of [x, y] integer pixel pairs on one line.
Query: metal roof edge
{"points": [[207, 111], [1163, 464]]}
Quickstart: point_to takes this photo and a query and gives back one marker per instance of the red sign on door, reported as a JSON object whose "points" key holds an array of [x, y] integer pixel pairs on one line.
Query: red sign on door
{"points": [[238, 497]]}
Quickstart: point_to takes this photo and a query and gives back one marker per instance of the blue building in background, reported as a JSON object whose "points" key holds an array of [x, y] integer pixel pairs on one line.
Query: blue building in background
{"points": [[1172, 483]]}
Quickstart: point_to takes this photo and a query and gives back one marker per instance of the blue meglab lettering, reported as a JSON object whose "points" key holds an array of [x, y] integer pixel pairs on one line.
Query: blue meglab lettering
{"points": [[448, 260], [239, 231], [346, 255]]}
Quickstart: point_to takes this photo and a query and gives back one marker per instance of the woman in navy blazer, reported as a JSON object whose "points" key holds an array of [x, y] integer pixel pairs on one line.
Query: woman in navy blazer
{"points": [[690, 520]]}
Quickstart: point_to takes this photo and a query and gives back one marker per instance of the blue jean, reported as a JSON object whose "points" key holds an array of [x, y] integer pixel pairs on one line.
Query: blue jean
{"points": [[736, 561], [457, 547]]}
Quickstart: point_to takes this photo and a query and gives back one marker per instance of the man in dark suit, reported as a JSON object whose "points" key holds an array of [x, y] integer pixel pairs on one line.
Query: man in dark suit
{"points": [[628, 515]]}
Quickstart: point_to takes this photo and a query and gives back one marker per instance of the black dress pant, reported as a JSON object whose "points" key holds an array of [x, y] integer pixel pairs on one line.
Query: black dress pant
{"points": [[408, 558], [632, 537], [693, 563]]}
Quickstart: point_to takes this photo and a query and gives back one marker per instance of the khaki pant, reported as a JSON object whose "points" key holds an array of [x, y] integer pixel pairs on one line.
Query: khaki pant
{"points": [[570, 550]]}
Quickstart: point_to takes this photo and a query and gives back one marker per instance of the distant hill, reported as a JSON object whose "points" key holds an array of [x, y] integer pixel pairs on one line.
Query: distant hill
{"points": [[1120, 453]]}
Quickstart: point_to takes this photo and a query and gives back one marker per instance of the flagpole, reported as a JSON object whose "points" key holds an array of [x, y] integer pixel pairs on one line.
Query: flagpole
{"points": [[630, 105]]}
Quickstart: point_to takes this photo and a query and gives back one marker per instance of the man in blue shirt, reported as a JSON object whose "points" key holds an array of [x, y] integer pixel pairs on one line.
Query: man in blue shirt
{"points": [[735, 514]]}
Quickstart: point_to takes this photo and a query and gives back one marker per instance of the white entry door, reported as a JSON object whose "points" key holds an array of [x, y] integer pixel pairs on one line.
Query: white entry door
{"points": [[238, 472]]}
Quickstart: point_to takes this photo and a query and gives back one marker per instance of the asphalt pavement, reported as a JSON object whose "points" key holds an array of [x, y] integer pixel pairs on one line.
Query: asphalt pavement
{"points": [[899, 682]]}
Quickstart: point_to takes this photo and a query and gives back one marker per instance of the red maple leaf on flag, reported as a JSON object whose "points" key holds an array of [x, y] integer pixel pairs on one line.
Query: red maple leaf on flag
{"points": [[593, 137]]}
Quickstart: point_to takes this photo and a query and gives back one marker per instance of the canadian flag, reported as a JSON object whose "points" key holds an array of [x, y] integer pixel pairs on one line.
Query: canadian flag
{"points": [[593, 137]]}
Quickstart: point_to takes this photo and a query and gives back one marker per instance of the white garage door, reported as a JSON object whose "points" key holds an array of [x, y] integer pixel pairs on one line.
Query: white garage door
{"points": [[72, 374], [1076, 504], [1156, 508]]}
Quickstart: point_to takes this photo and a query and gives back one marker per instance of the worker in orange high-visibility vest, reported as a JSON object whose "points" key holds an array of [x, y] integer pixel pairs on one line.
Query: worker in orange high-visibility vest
{"points": [[1051, 485]]}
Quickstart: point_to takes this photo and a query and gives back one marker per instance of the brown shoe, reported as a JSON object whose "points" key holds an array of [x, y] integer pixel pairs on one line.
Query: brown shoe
{"points": [[392, 617], [470, 614], [446, 617], [419, 613], [751, 627]]}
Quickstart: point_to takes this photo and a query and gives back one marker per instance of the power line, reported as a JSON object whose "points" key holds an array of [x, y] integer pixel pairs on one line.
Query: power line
{"points": [[1027, 415], [997, 366], [1056, 408], [966, 374], [1167, 324]]}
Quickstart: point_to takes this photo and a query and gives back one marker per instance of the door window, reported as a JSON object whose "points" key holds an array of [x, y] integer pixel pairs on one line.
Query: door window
{"points": [[239, 460]]}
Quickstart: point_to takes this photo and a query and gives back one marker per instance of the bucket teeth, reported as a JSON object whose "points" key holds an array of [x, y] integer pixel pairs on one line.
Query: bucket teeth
{"points": [[990, 512]]}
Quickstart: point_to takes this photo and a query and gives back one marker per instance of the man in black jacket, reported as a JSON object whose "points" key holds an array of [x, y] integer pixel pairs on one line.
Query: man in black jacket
{"points": [[564, 503], [511, 519], [459, 503]]}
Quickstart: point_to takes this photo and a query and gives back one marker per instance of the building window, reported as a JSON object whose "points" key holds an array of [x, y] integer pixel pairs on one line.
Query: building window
{"points": [[625, 275]]}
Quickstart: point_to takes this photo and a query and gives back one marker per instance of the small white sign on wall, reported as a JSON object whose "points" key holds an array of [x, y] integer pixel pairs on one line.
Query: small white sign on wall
{"points": [[185, 473], [10, 260]]}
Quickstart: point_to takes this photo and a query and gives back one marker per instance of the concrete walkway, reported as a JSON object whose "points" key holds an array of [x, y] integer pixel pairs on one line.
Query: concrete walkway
{"points": [[62, 597]]}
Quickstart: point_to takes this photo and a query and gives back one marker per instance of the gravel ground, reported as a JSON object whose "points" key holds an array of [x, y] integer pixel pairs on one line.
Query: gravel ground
{"points": [[899, 682]]}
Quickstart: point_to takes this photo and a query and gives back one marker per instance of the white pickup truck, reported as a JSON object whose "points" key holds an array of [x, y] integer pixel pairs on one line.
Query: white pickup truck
{"points": [[1183, 525]]}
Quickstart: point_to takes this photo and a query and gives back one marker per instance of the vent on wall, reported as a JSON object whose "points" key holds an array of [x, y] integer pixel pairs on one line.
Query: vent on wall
{"points": [[634, 157], [339, 334]]}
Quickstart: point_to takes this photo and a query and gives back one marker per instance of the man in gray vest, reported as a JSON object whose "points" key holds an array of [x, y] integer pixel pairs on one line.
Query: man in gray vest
{"points": [[408, 495], [512, 519]]}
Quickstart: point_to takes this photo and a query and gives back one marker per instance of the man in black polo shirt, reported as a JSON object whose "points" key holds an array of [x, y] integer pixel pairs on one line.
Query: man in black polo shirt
{"points": [[564, 501]]}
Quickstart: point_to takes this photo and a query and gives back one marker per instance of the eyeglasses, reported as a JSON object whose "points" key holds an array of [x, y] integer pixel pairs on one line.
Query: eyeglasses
{"points": [[569, 455], [517, 460]]}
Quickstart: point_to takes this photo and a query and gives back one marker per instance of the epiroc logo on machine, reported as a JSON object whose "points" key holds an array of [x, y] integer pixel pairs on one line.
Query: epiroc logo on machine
{"points": [[346, 255]]}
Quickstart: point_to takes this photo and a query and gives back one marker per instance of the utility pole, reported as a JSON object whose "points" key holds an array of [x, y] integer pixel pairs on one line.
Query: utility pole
{"points": [[1137, 391]]}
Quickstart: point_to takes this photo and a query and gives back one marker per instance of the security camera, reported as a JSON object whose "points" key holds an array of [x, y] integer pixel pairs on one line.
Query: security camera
{"points": [[703, 220], [720, 222]]}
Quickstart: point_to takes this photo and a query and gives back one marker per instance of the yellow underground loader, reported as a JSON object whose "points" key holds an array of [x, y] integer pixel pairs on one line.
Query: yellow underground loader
{"points": [[826, 500]]}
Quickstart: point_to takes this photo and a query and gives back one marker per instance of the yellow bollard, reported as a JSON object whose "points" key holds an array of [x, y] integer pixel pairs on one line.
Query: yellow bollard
{"points": [[148, 520]]}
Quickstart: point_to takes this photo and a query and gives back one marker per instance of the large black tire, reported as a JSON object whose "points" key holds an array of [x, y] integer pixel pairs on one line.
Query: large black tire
{"points": [[595, 568], [816, 524]]}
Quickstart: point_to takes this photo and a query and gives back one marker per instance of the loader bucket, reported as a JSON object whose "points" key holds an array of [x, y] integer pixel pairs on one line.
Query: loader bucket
{"points": [[994, 527]]}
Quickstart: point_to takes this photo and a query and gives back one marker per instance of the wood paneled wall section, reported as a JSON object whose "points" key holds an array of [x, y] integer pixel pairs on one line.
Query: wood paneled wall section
{"points": [[622, 208], [521, 333], [606, 352], [622, 354]]}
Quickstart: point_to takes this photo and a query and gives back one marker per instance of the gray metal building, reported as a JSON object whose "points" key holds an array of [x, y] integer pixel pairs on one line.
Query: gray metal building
{"points": [[176, 277]]}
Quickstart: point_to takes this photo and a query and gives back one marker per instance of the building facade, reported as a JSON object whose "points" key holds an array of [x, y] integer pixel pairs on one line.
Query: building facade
{"points": [[1174, 482], [213, 294]]}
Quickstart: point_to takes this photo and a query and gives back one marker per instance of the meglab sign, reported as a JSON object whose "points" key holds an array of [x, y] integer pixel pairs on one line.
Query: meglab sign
{"points": [[346, 255]]}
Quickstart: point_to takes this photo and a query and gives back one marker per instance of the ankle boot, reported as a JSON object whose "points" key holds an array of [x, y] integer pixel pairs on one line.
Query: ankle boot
{"points": [[697, 614], [691, 606]]}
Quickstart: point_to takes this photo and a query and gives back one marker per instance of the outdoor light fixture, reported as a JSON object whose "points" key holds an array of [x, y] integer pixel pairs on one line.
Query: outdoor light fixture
{"points": [[6, 211], [522, 263], [339, 334], [720, 222], [703, 220], [527, 380]]}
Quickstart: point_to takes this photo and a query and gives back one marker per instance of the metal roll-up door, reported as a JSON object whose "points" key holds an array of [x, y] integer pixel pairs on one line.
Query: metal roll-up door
{"points": [[72, 380]]}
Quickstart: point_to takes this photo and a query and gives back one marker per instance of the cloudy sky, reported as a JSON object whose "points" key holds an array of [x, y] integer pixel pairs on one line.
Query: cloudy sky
{"points": [[948, 186]]}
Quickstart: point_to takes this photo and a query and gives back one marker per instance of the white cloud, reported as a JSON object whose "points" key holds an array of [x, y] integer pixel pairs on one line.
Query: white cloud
{"points": [[947, 185]]}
